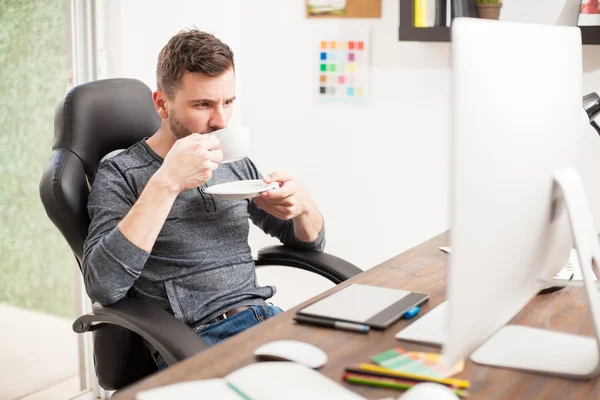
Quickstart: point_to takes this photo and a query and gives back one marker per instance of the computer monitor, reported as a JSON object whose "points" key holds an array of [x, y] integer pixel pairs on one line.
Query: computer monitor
{"points": [[517, 117]]}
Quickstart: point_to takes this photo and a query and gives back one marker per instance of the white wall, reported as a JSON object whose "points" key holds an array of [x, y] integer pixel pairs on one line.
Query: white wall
{"points": [[378, 172]]}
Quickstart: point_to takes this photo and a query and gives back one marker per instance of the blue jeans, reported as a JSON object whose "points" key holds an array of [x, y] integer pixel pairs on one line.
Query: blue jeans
{"points": [[224, 329]]}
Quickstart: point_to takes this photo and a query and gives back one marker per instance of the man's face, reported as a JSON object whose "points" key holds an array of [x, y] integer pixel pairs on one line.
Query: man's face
{"points": [[201, 104]]}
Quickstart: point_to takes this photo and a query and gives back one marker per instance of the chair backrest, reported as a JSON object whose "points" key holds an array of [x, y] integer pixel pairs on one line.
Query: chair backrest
{"points": [[94, 119]]}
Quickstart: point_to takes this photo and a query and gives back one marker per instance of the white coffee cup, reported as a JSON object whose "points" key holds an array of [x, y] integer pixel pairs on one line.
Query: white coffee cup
{"points": [[234, 142]]}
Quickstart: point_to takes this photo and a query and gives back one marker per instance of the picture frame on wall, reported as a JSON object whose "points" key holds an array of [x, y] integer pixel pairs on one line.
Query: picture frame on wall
{"points": [[343, 8], [326, 7], [589, 13]]}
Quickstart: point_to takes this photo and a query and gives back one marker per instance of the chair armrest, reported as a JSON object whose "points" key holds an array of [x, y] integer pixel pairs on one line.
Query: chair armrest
{"points": [[331, 267], [173, 339]]}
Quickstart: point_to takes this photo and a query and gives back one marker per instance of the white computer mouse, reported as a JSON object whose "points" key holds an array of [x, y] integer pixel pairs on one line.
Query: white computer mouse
{"points": [[292, 350], [429, 391]]}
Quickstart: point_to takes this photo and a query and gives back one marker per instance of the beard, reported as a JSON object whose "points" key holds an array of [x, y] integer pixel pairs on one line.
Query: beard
{"points": [[178, 129]]}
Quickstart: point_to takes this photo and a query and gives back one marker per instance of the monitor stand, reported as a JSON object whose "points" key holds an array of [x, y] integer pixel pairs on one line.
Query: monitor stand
{"points": [[541, 351]]}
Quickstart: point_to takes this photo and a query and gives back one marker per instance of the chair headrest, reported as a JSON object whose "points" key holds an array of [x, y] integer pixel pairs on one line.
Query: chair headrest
{"points": [[101, 116], [93, 120]]}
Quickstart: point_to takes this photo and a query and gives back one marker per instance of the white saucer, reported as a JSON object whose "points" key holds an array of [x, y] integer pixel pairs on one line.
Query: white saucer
{"points": [[239, 190]]}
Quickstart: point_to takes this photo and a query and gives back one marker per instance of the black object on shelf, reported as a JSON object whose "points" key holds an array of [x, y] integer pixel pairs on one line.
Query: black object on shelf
{"points": [[408, 31], [590, 34]]}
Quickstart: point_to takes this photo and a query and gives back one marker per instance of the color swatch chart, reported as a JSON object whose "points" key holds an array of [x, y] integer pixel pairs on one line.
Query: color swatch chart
{"points": [[343, 68], [424, 364]]}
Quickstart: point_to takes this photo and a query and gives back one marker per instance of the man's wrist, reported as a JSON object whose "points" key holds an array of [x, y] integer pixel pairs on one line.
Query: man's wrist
{"points": [[309, 212], [162, 183], [308, 224]]}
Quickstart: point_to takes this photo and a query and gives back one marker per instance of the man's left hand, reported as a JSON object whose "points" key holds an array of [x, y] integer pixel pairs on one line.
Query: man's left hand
{"points": [[286, 202]]}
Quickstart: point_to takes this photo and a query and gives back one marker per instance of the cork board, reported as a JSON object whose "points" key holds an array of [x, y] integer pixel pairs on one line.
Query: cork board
{"points": [[343, 8]]}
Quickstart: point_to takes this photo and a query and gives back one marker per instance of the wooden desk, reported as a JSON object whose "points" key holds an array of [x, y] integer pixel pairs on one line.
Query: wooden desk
{"points": [[421, 269]]}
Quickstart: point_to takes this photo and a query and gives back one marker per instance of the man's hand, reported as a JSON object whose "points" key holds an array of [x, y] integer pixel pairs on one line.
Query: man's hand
{"points": [[292, 201], [190, 162], [288, 201]]}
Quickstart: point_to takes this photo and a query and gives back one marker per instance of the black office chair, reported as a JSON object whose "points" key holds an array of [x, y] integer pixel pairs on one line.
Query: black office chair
{"points": [[93, 120]]}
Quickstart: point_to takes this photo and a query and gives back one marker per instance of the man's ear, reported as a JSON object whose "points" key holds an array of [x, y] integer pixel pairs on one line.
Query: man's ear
{"points": [[160, 103]]}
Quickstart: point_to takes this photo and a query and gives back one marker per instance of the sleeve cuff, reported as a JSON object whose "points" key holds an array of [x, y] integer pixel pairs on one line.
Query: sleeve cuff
{"points": [[318, 244], [123, 250]]}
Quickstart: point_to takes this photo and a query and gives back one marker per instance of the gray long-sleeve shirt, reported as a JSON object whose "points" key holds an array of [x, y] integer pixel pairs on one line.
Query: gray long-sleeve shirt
{"points": [[201, 264]]}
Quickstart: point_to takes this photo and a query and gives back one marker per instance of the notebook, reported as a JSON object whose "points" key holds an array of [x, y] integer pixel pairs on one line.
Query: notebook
{"points": [[375, 306], [260, 381]]}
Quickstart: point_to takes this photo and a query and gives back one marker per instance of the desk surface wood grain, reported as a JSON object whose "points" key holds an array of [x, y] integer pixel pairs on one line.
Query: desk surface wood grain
{"points": [[420, 269]]}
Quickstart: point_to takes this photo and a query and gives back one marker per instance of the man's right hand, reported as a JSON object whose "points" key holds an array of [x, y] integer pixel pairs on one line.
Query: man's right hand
{"points": [[191, 162]]}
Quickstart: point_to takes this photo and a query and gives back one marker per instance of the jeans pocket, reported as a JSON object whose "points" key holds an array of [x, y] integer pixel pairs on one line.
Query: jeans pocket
{"points": [[201, 328], [263, 313], [219, 331], [274, 310], [259, 313], [227, 322]]}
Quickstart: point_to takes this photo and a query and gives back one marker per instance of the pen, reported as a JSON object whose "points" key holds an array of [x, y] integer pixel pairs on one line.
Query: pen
{"points": [[347, 326]]}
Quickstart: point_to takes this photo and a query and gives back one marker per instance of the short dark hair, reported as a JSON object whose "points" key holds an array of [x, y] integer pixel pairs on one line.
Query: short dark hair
{"points": [[191, 50]]}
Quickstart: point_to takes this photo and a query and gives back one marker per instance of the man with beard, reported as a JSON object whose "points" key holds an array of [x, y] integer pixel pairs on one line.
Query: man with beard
{"points": [[155, 234]]}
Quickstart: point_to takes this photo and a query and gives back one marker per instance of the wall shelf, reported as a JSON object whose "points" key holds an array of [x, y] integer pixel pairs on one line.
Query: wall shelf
{"points": [[408, 32]]}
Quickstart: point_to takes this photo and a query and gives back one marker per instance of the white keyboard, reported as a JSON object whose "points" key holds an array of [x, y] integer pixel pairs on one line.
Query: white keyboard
{"points": [[430, 329]]}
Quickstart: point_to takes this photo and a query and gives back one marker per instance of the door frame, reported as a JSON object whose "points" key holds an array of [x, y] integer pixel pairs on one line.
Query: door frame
{"points": [[84, 20]]}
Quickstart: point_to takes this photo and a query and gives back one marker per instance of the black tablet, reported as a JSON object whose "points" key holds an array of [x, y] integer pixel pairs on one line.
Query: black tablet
{"points": [[375, 306]]}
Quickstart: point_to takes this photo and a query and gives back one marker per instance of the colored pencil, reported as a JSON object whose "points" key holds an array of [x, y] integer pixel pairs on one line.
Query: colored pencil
{"points": [[382, 382], [373, 374], [379, 374], [389, 383], [459, 383], [362, 374]]}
